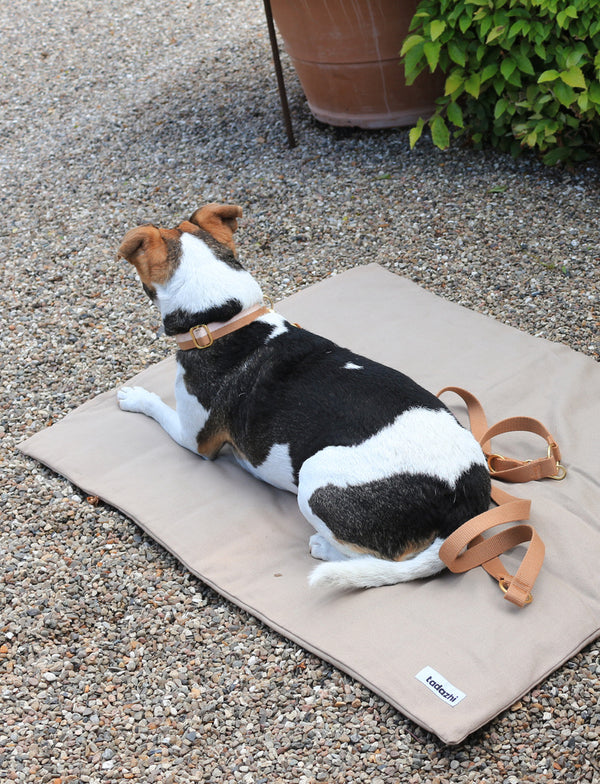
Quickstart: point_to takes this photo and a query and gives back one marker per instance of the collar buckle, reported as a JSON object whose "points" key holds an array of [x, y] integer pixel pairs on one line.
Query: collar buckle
{"points": [[209, 335]]}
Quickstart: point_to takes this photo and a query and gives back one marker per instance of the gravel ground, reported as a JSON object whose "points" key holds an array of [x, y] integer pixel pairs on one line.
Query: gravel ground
{"points": [[116, 663]]}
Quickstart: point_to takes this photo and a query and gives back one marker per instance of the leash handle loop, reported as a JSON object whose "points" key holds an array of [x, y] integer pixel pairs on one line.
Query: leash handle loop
{"points": [[466, 548], [507, 468]]}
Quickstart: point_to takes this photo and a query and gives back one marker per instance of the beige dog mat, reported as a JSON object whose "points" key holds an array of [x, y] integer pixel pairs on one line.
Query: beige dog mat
{"points": [[448, 652]]}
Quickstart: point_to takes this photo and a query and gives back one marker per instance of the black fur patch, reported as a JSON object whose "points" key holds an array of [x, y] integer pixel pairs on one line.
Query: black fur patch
{"points": [[389, 515], [295, 390]]}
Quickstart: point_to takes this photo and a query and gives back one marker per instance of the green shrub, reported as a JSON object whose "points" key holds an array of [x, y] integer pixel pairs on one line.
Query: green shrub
{"points": [[519, 73]]}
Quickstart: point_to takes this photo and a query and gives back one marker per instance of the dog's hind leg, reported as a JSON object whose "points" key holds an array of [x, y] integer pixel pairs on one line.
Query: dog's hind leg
{"points": [[322, 543]]}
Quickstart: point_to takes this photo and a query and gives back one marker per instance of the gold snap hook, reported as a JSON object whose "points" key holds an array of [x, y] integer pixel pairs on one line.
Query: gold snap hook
{"points": [[561, 471], [505, 585]]}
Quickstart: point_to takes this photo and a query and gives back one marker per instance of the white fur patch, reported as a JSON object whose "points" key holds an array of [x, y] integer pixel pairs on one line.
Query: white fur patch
{"points": [[352, 366], [280, 325], [191, 413], [419, 441], [276, 469], [202, 281]]}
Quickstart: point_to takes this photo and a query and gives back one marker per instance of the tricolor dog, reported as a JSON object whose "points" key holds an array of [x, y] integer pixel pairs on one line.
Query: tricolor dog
{"points": [[382, 469]]}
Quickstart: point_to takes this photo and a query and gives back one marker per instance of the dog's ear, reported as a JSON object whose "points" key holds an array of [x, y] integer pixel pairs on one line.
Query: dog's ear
{"points": [[145, 248], [220, 220]]}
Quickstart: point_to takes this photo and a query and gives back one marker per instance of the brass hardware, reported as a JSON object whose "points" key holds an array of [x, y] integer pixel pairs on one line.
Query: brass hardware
{"points": [[208, 334], [561, 471], [505, 585], [491, 468]]}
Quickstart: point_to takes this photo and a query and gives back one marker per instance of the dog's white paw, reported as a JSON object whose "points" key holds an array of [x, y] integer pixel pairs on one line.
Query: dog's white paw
{"points": [[136, 399], [319, 547]]}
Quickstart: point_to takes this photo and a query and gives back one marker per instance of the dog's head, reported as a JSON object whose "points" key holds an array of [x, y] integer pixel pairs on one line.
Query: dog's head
{"points": [[156, 252]]}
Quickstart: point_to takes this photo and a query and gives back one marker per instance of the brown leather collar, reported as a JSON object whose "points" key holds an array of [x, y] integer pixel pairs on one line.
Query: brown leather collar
{"points": [[204, 335]]}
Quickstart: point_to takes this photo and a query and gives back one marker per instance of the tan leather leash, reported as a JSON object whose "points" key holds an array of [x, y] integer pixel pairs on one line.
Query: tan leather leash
{"points": [[485, 552]]}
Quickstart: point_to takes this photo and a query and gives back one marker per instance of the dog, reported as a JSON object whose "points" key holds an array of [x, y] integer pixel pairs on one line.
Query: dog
{"points": [[382, 469]]}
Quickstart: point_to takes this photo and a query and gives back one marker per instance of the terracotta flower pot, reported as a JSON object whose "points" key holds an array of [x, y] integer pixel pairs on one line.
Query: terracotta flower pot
{"points": [[347, 56]]}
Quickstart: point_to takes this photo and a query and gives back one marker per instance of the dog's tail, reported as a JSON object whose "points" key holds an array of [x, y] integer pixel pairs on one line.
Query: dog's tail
{"points": [[370, 572]]}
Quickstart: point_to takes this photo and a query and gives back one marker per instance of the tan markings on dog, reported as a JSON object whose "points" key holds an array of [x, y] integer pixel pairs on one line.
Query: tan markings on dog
{"points": [[147, 248], [220, 220], [210, 444], [359, 549], [411, 549], [414, 548]]}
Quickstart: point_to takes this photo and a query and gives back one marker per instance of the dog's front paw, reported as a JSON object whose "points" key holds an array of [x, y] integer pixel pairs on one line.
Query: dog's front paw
{"points": [[136, 399]]}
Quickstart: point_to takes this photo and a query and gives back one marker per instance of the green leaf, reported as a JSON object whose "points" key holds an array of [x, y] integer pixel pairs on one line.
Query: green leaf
{"points": [[499, 85], [548, 76], [573, 77], [507, 66], [410, 42], [431, 50], [439, 133], [583, 101], [515, 78], [531, 139], [464, 23], [565, 94], [457, 51], [530, 94], [455, 115], [556, 155], [524, 63], [495, 33], [576, 56], [594, 92], [413, 64], [436, 28], [473, 85], [485, 26], [489, 71], [520, 26], [454, 81], [570, 12], [415, 133], [500, 108]]}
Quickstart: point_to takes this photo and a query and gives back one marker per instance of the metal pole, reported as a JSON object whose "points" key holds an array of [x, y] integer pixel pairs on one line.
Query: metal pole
{"points": [[279, 73]]}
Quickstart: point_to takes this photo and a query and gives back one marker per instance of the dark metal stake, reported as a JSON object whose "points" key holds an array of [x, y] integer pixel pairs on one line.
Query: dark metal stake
{"points": [[279, 73]]}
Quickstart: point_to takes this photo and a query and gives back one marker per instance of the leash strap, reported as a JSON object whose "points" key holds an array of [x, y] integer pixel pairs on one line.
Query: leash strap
{"points": [[466, 548]]}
